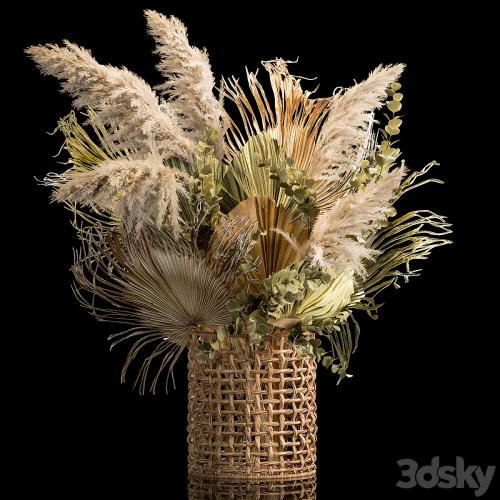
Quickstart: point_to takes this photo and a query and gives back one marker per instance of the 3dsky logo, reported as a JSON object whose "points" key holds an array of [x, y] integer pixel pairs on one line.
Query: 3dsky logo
{"points": [[446, 476]]}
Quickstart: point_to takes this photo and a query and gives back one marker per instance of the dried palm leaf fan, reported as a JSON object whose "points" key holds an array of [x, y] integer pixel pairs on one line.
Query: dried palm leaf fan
{"points": [[251, 240]]}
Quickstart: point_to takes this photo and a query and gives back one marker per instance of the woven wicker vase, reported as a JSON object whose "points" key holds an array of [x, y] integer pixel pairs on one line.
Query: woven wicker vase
{"points": [[252, 412]]}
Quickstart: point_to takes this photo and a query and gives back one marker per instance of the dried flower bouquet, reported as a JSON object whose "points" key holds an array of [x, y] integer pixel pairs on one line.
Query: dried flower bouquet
{"points": [[228, 221]]}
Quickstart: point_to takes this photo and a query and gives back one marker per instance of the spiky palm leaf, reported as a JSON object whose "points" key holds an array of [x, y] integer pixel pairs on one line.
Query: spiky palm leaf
{"points": [[85, 154], [110, 180], [410, 237], [154, 283], [293, 119]]}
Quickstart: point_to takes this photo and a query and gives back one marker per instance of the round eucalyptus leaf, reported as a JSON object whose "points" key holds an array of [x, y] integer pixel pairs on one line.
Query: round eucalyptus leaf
{"points": [[391, 130], [395, 122], [394, 106]]}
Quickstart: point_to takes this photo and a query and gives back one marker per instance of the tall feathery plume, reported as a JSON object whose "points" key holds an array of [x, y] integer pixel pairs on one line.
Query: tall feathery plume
{"points": [[189, 80], [345, 128], [338, 236], [136, 190], [121, 100]]}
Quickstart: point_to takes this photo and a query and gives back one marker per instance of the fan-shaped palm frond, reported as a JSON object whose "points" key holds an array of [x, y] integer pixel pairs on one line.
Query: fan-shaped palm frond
{"points": [[293, 119], [322, 136], [272, 251], [154, 283]]}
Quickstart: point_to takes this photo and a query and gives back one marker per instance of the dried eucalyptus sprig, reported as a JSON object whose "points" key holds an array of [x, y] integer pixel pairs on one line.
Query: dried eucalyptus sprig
{"points": [[299, 189]]}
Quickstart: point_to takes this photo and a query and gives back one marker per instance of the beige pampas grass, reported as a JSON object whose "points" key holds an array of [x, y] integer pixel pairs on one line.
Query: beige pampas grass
{"points": [[344, 130], [338, 236], [121, 100], [137, 190], [189, 80]]}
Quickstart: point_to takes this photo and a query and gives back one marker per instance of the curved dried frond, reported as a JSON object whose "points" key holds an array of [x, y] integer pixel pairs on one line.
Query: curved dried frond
{"points": [[153, 283], [189, 80], [343, 343], [411, 183], [94, 216], [410, 237], [407, 238], [121, 100]]}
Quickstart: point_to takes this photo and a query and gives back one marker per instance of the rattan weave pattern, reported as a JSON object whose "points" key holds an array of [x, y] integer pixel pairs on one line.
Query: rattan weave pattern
{"points": [[252, 412], [206, 489]]}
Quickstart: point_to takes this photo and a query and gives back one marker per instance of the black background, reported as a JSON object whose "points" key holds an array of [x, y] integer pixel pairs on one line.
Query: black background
{"points": [[425, 373]]}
